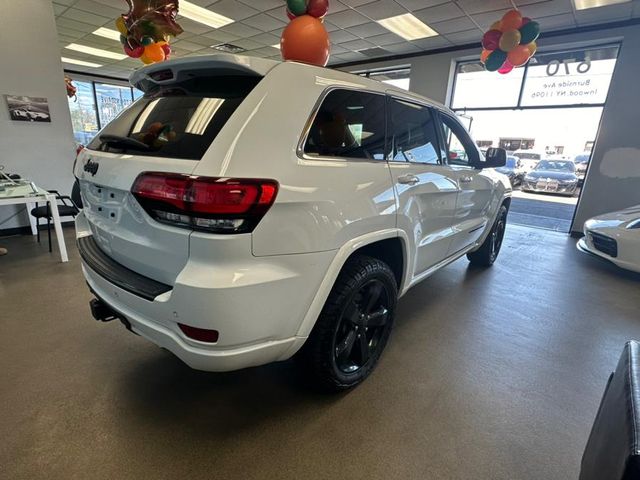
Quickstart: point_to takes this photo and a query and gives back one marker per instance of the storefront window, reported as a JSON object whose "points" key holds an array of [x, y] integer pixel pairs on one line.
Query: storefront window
{"points": [[570, 78], [83, 113], [476, 88], [398, 76], [112, 99]]}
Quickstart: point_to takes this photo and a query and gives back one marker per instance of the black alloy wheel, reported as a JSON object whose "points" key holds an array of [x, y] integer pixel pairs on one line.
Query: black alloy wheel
{"points": [[363, 323]]}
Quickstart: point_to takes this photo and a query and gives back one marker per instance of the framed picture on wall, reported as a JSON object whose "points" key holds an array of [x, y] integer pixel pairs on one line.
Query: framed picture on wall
{"points": [[28, 109]]}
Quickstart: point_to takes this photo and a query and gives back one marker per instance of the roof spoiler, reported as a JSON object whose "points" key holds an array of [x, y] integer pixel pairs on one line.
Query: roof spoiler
{"points": [[175, 71]]}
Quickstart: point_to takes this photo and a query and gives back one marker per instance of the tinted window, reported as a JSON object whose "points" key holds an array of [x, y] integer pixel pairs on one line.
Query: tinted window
{"points": [[348, 124], [179, 121], [459, 147], [412, 133]]}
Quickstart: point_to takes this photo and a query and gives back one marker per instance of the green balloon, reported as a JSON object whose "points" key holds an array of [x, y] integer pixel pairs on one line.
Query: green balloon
{"points": [[297, 7], [495, 60], [529, 32]]}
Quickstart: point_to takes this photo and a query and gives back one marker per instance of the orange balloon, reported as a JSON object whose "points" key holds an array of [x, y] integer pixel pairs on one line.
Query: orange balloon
{"points": [[146, 60], [496, 26], [533, 47], [484, 55], [512, 20], [154, 52], [519, 55], [306, 40]]}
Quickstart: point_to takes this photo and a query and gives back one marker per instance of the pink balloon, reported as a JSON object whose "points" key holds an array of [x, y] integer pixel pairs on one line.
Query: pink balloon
{"points": [[491, 40], [525, 20], [506, 67]]}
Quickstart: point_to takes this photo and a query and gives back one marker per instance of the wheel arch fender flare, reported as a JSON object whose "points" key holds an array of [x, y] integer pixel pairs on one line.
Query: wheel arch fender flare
{"points": [[342, 256]]}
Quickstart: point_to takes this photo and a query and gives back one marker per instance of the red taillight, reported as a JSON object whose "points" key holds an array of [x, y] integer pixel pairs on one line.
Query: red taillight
{"points": [[220, 205], [199, 334]]}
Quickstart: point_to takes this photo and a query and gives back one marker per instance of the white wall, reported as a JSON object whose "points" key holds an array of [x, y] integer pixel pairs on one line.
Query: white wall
{"points": [[614, 177], [30, 65]]}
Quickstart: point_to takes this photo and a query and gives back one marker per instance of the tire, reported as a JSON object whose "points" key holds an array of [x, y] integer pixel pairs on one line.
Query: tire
{"points": [[354, 326], [486, 255]]}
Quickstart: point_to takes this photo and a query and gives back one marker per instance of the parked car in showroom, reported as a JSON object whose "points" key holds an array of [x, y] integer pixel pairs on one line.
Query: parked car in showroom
{"points": [[552, 176], [513, 170], [615, 237], [582, 163], [246, 210], [528, 159]]}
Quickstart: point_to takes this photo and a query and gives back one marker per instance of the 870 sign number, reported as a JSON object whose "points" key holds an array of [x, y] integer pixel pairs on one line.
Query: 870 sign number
{"points": [[553, 67]]}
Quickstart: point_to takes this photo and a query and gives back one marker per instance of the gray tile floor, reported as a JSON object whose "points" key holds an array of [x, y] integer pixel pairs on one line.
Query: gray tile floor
{"points": [[490, 374]]}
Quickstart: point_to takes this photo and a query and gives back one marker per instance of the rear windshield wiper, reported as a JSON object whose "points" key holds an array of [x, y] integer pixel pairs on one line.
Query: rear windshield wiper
{"points": [[126, 142]]}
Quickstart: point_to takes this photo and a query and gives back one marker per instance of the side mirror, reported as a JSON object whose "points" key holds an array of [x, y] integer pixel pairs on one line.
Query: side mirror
{"points": [[495, 157]]}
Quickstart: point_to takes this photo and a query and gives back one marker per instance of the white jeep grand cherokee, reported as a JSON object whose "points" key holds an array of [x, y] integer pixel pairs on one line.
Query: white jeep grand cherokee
{"points": [[246, 210]]}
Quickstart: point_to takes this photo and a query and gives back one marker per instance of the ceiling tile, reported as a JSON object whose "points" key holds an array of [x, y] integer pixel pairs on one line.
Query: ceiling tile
{"points": [[247, 44], [461, 38], [451, 26], [59, 9], [368, 30], [264, 22], [353, 3], [86, 17], [193, 27], [240, 29], [74, 25], [355, 45], [382, 9], [402, 47], [413, 5], [263, 5], [439, 13], [111, 12], [386, 39], [233, 9], [431, 43], [548, 8], [347, 18], [218, 36], [604, 14], [340, 36], [267, 39]]}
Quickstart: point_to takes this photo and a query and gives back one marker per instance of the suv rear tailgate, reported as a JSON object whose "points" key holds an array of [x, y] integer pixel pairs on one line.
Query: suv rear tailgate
{"points": [[120, 226]]}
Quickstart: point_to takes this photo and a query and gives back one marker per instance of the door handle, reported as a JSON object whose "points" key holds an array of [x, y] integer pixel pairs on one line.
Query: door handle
{"points": [[408, 179], [466, 179]]}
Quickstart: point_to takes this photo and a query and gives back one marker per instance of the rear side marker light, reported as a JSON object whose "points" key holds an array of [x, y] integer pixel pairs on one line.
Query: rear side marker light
{"points": [[216, 205], [199, 334]]}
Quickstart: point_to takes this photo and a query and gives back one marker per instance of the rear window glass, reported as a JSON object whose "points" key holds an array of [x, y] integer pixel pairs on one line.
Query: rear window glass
{"points": [[349, 124], [178, 121]]}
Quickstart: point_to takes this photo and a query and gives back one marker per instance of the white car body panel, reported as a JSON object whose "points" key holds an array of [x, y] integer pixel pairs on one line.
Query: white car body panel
{"points": [[615, 225], [264, 290]]}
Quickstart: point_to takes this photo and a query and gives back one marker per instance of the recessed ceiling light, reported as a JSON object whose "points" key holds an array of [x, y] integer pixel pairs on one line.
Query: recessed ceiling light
{"points": [[586, 4], [202, 15], [408, 27], [96, 51], [80, 62], [228, 48], [108, 33]]}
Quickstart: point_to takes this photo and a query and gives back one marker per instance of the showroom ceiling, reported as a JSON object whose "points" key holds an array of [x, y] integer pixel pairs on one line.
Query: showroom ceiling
{"points": [[352, 25]]}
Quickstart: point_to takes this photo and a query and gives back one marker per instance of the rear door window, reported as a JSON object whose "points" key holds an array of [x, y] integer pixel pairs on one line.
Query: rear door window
{"points": [[177, 121], [412, 133], [348, 124]]}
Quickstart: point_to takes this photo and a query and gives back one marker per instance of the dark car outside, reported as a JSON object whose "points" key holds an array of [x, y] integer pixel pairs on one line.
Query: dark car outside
{"points": [[552, 176], [512, 170]]}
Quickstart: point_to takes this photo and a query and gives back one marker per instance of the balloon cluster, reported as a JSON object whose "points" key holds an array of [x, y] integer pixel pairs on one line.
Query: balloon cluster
{"points": [[305, 39], [71, 88], [145, 30], [509, 43]]}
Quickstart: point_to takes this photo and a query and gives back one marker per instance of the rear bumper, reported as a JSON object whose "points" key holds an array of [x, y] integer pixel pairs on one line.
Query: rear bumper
{"points": [[257, 304]]}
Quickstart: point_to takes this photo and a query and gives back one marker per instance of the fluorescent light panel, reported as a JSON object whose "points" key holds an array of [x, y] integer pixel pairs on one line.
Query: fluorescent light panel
{"points": [[408, 27], [586, 4], [202, 15], [277, 45], [96, 51], [80, 62], [107, 33]]}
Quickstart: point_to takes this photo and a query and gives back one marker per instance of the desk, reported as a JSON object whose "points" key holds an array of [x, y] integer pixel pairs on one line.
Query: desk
{"points": [[23, 193]]}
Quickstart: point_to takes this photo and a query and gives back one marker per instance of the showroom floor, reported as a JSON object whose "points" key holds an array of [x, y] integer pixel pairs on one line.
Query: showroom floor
{"points": [[492, 374]]}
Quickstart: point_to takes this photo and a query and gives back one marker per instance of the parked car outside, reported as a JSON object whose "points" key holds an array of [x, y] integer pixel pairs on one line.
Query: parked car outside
{"points": [[615, 237], [582, 163], [513, 170], [529, 159], [552, 176], [246, 210]]}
